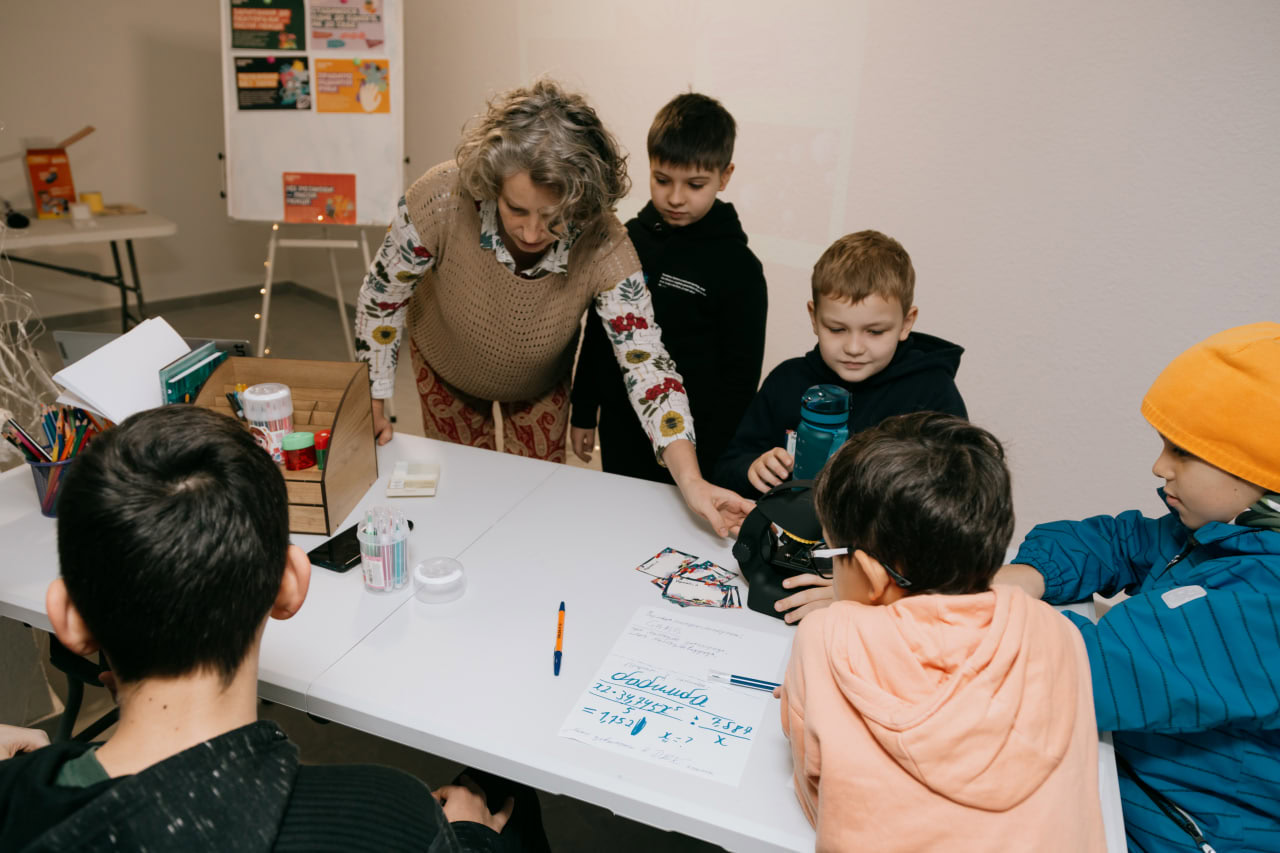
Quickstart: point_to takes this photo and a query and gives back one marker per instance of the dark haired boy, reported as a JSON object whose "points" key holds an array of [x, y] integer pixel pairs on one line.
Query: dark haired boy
{"points": [[173, 539], [926, 706], [709, 297]]}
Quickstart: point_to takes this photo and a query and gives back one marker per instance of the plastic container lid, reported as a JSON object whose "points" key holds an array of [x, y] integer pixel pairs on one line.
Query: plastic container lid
{"points": [[298, 440], [437, 580], [322, 439], [828, 400]]}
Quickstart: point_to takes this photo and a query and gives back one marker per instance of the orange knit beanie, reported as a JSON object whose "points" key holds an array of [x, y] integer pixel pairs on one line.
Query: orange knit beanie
{"points": [[1220, 400]]}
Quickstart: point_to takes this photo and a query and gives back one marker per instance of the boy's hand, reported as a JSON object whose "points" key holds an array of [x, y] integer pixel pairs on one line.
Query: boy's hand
{"points": [[15, 739], [583, 441], [798, 605], [770, 469], [1021, 575], [466, 802]]}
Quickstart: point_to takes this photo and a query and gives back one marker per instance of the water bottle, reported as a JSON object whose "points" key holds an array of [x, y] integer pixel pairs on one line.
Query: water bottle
{"points": [[824, 426]]}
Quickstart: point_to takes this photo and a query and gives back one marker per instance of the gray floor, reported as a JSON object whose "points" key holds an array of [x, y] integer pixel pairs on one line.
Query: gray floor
{"points": [[304, 325]]}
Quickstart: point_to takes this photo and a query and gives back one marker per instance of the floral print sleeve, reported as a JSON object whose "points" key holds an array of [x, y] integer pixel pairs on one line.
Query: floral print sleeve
{"points": [[401, 263], [653, 385]]}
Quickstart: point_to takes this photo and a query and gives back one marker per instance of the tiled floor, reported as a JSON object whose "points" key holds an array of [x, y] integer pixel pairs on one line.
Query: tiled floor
{"points": [[304, 326]]}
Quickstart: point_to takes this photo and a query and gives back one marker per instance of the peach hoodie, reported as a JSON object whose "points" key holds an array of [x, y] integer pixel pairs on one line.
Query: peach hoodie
{"points": [[944, 722]]}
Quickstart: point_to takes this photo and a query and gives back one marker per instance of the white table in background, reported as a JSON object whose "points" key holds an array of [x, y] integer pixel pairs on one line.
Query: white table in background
{"points": [[112, 230]]}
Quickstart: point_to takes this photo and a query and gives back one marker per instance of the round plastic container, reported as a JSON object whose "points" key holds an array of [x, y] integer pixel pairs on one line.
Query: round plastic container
{"points": [[438, 580], [299, 450], [268, 407]]}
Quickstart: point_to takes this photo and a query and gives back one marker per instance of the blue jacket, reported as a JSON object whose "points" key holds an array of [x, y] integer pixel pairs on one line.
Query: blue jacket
{"points": [[1186, 672]]}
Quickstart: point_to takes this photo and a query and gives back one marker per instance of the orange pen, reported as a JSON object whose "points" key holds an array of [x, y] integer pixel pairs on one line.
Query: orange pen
{"points": [[559, 638]]}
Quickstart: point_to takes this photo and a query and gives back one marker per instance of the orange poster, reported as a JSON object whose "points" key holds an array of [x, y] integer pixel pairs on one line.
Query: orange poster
{"points": [[51, 187], [318, 197], [353, 85]]}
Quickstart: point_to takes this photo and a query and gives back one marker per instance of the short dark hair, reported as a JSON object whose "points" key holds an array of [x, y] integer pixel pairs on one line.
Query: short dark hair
{"points": [[927, 493], [173, 529], [693, 130]]}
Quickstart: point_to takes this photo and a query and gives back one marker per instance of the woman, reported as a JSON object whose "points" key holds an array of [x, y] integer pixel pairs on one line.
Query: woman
{"points": [[510, 242]]}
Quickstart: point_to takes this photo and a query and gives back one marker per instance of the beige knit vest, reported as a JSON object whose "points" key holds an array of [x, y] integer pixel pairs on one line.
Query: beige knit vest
{"points": [[485, 330]]}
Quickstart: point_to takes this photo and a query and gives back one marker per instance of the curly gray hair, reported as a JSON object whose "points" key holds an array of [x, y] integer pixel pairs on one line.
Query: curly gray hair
{"points": [[557, 138]]}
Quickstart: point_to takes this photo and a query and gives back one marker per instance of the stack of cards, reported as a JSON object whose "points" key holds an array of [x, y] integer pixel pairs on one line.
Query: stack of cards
{"points": [[690, 582]]}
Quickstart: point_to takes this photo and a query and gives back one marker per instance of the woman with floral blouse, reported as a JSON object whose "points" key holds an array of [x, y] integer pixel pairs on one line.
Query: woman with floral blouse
{"points": [[487, 269]]}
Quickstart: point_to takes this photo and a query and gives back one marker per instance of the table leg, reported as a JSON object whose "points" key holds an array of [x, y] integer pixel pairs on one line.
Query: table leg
{"points": [[124, 293], [137, 282]]}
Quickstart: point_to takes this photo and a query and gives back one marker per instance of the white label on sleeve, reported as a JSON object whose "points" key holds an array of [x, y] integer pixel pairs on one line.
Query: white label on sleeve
{"points": [[1175, 598]]}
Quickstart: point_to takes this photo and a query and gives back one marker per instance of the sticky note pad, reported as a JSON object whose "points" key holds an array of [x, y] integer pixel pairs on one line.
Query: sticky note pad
{"points": [[413, 479]]}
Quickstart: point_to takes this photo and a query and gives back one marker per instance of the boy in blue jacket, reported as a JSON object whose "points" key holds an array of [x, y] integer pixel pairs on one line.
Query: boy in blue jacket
{"points": [[1186, 671]]}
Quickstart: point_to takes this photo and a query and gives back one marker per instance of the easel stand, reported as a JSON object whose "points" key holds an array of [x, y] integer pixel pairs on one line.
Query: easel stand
{"points": [[324, 242]]}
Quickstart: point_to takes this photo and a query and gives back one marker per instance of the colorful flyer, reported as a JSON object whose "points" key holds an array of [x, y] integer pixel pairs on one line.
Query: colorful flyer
{"points": [[346, 25], [353, 86], [267, 24], [317, 197], [271, 83], [51, 187]]}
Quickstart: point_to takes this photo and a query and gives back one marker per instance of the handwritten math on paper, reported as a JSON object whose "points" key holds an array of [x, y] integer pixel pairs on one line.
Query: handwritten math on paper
{"points": [[653, 698]]}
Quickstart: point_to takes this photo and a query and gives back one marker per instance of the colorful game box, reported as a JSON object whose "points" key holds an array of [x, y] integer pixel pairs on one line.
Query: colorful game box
{"points": [[51, 189]]}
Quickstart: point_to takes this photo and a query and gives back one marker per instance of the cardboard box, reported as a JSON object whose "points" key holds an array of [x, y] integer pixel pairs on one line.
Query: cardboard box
{"points": [[52, 191]]}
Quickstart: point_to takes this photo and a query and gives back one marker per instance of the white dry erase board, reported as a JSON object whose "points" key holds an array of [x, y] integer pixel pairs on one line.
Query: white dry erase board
{"points": [[313, 90]]}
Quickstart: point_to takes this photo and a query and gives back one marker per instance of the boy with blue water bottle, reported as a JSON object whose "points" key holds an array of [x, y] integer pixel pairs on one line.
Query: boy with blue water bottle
{"points": [[1186, 670], [863, 312], [708, 294]]}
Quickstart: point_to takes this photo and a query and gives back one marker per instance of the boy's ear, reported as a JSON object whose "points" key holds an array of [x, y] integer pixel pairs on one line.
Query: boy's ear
{"points": [[908, 320], [725, 175], [813, 317], [883, 589], [67, 623], [294, 584]]}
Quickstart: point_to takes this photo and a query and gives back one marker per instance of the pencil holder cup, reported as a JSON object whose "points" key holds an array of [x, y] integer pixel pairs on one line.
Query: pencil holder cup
{"points": [[384, 550], [49, 477]]}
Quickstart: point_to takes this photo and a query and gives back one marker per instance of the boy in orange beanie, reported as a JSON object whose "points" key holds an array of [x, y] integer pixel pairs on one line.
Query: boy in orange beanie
{"points": [[927, 710], [1186, 671]]}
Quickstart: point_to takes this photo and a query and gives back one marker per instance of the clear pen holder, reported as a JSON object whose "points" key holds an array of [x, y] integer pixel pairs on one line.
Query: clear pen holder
{"points": [[384, 558]]}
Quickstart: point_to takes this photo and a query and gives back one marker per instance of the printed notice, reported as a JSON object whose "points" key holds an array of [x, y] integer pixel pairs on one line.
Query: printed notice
{"points": [[268, 83], [353, 86], [653, 698], [267, 24], [346, 25], [317, 197]]}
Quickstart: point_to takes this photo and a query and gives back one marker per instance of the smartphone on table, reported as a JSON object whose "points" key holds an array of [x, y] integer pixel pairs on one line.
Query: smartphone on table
{"points": [[341, 553]]}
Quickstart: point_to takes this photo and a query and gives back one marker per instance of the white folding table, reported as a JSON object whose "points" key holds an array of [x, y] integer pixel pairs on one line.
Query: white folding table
{"points": [[471, 680]]}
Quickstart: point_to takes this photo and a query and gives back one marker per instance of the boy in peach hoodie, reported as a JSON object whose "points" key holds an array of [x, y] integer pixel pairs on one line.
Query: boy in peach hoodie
{"points": [[926, 709]]}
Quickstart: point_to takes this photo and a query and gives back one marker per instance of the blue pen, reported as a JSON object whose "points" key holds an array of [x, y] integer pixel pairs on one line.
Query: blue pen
{"points": [[559, 638], [744, 681]]}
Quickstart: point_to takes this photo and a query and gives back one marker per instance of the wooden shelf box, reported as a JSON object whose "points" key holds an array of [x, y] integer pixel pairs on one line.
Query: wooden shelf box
{"points": [[331, 395]]}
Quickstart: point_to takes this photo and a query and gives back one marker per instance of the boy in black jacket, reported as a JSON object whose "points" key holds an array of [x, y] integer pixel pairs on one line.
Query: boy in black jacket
{"points": [[862, 312], [708, 294], [173, 540]]}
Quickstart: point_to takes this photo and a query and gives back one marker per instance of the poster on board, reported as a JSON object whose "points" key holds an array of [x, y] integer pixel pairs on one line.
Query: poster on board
{"points": [[353, 86], [343, 25], [270, 83], [267, 24], [319, 197]]}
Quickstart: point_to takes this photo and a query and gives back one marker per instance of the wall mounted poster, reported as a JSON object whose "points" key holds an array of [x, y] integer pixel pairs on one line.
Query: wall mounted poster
{"points": [[271, 83], [318, 197], [346, 24], [353, 86], [267, 24]]}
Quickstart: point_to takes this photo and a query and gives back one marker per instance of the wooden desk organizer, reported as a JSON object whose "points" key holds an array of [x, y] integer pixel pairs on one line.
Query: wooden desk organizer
{"points": [[330, 395]]}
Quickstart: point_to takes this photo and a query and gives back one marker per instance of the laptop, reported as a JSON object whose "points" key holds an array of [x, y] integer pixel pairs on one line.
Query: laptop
{"points": [[73, 346]]}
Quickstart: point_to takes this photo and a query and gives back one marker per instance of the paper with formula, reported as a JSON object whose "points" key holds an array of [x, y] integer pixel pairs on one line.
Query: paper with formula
{"points": [[653, 699]]}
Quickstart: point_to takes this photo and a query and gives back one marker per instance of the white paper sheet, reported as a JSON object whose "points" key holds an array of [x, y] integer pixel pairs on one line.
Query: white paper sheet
{"points": [[122, 377], [653, 698]]}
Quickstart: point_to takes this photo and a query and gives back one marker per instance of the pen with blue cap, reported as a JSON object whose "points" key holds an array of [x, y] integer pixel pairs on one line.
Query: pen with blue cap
{"points": [[559, 638]]}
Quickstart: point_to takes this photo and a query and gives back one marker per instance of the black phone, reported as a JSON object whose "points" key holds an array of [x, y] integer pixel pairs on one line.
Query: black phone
{"points": [[341, 553]]}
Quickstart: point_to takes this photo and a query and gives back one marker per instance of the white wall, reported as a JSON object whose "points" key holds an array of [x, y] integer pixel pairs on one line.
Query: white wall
{"points": [[1086, 188]]}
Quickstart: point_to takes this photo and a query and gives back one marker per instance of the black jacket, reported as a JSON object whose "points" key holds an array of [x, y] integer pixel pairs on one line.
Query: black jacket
{"points": [[710, 299], [921, 377], [241, 791]]}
